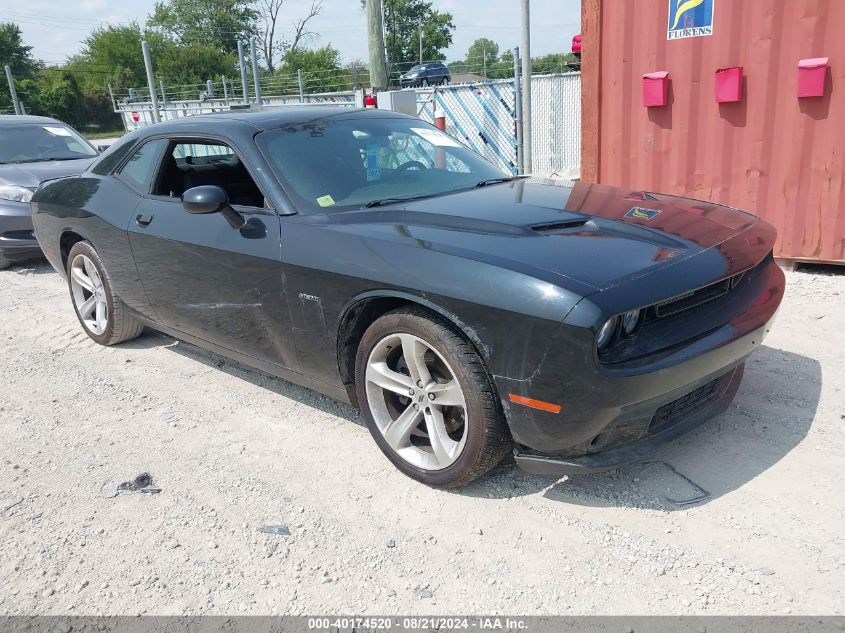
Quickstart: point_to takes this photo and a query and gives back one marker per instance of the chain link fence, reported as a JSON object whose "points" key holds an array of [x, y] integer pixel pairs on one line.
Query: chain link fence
{"points": [[481, 115]]}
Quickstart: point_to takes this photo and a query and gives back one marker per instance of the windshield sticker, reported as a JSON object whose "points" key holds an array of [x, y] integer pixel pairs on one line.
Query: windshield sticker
{"points": [[325, 201], [58, 131], [436, 137], [373, 166]]}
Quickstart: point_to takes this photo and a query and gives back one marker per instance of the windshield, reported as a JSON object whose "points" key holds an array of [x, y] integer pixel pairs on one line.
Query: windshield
{"points": [[416, 69], [31, 143], [349, 163]]}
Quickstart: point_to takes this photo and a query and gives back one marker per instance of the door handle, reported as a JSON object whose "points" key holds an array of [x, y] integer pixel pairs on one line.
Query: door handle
{"points": [[143, 220]]}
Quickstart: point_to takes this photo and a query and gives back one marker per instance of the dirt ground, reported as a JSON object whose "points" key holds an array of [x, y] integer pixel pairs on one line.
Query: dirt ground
{"points": [[233, 449]]}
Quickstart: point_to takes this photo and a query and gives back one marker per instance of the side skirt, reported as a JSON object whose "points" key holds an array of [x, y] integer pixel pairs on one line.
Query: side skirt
{"points": [[336, 393]]}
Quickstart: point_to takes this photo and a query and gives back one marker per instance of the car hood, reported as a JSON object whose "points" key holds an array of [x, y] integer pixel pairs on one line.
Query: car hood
{"points": [[33, 174], [594, 235]]}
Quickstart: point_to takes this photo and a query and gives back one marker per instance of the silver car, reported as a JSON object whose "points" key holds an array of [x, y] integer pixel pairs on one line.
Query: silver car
{"points": [[32, 149]]}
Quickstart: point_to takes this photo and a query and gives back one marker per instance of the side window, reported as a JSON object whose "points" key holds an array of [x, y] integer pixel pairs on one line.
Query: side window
{"points": [[140, 167], [190, 164]]}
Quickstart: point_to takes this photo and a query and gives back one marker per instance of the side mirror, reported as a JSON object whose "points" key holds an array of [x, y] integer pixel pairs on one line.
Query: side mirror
{"points": [[205, 199], [102, 148]]}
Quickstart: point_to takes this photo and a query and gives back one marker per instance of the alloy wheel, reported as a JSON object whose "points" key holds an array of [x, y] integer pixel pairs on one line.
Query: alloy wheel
{"points": [[89, 294], [416, 401]]}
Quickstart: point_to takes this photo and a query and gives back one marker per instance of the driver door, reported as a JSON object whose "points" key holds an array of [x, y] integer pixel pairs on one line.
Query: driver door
{"points": [[202, 276]]}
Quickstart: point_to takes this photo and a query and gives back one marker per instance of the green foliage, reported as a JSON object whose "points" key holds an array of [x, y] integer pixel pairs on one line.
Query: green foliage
{"points": [[482, 54], [217, 24], [321, 70], [14, 53], [552, 63], [402, 20]]}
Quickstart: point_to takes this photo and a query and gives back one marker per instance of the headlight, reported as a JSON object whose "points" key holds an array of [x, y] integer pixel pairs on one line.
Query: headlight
{"points": [[630, 321], [15, 193], [606, 333]]}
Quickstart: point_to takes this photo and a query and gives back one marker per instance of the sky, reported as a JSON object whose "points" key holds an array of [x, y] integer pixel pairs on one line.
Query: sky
{"points": [[55, 28]]}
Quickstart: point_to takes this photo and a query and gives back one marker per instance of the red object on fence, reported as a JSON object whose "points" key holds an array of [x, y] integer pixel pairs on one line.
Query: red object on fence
{"points": [[576, 44], [729, 84], [370, 101], [136, 117], [656, 89], [811, 77], [440, 124]]}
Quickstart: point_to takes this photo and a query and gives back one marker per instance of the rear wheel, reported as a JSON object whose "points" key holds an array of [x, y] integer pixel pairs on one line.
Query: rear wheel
{"points": [[104, 317], [445, 81], [424, 83], [428, 400], [5, 262]]}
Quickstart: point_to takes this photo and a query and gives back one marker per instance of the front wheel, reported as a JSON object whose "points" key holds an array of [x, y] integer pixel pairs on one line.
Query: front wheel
{"points": [[104, 317], [428, 401], [5, 262]]}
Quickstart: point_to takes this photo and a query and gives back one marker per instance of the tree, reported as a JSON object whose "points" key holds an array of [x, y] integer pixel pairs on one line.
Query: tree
{"points": [[214, 23], [14, 53], [112, 54], [402, 22], [482, 55], [321, 70], [269, 10], [551, 63]]}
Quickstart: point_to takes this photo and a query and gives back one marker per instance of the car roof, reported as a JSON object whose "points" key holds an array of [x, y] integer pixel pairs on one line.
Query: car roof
{"points": [[262, 120], [18, 119]]}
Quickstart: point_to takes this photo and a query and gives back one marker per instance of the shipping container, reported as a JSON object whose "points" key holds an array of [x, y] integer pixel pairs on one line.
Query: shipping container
{"points": [[755, 144]]}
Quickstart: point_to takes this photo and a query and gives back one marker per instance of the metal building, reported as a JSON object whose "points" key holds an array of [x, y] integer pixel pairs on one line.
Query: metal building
{"points": [[770, 152]]}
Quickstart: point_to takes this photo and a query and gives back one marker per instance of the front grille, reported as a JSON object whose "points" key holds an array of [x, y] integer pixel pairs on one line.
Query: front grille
{"points": [[18, 235], [678, 410], [697, 297]]}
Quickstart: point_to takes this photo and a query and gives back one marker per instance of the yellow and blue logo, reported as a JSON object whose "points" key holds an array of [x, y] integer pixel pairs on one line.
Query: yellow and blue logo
{"points": [[690, 18], [641, 213]]}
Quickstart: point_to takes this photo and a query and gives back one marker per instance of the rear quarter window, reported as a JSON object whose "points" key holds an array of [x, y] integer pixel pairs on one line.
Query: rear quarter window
{"points": [[111, 158]]}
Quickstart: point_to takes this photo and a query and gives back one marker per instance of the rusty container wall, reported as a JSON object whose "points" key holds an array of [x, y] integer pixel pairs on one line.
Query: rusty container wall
{"points": [[773, 154]]}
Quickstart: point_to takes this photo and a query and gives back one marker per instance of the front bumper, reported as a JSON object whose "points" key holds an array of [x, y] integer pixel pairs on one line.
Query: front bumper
{"points": [[613, 414], [17, 239], [708, 398]]}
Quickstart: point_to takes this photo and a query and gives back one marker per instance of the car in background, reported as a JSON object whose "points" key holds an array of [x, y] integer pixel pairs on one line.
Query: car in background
{"points": [[372, 257], [429, 74], [32, 149]]}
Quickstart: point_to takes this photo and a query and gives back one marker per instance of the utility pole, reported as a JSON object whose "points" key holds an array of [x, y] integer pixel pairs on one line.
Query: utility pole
{"points": [[526, 85], [517, 94], [254, 59], [12, 90], [421, 40], [151, 84], [242, 65], [375, 41]]}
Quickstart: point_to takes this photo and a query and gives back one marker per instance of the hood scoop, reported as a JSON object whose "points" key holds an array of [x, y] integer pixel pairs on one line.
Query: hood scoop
{"points": [[560, 228]]}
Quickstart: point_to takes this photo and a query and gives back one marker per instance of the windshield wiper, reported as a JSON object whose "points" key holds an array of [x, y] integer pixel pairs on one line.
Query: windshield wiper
{"points": [[496, 181], [385, 201]]}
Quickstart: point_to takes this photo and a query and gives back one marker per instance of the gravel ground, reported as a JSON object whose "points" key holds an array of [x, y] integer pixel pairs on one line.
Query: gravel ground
{"points": [[233, 449]]}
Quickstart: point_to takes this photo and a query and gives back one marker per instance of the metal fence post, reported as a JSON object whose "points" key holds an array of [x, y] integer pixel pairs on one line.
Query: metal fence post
{"points": [[148, 64], [254, 60], [163, 94], [527, 140], [301, 86], [242, 65], [225, 89], [12, 90], [111, 96], [517, 97]]}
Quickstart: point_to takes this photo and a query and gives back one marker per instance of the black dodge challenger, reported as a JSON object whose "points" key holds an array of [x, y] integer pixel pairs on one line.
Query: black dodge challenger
{"points": [[373, 258]]}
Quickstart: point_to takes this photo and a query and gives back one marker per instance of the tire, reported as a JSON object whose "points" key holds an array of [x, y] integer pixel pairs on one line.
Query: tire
{"points": [[473, 437], [115, 323], [445, 81], [5, 262], [424, 83]]}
